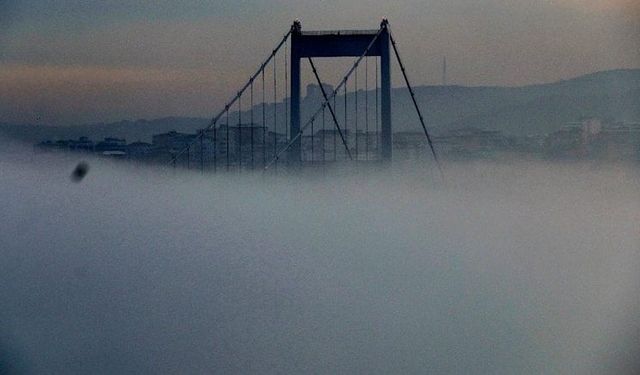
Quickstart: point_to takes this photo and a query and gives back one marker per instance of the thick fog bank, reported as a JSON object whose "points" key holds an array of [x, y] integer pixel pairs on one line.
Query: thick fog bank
{"points": [[523, 268]]}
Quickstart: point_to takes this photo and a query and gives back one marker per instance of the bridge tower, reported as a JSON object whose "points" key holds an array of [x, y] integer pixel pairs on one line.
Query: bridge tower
{"points": [[341, 43]]}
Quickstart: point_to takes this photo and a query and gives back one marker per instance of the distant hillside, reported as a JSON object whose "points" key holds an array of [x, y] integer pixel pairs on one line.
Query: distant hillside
{"points": [[534, 109]]}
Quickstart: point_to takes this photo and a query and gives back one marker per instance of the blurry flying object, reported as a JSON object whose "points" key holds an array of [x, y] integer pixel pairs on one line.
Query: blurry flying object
{"points": [[80, 171]]}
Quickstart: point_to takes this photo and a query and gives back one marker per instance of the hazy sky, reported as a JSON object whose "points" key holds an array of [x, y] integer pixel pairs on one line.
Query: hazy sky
{"points": [[72, 61]]}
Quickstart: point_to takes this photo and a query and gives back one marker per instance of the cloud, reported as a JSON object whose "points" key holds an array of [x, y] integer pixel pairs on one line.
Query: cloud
{"points": [[526, 268]]}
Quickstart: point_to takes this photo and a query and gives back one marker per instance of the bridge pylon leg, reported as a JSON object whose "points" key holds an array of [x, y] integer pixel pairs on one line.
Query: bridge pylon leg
{"points": [[386, 134], [294, 153]]}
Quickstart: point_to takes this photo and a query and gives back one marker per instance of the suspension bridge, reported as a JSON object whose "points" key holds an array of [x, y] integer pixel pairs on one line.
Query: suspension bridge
{"points": [[262, 125]]}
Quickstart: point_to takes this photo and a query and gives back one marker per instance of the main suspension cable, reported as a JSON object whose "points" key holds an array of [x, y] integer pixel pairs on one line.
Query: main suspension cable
{"points": [[240, 133], [215, 149], [335, 144], [252, 127], [366, 105], [264, 124], [215, 118], [275, 109], [346, 123], [201, 155], [415, 104], [324, 145], [356, 110], [286, 93], [377, 110], [227, 141], [333, 114]]}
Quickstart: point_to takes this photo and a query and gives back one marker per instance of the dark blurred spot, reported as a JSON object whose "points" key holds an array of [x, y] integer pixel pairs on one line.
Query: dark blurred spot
{"points": [[80, 171]]}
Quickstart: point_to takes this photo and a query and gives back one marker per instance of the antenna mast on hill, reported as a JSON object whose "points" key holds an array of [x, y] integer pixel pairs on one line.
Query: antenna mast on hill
{"points": [[444, 71]]}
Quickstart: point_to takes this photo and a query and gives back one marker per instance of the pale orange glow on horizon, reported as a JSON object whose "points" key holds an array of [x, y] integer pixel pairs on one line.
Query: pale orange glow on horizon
{"points": [[131, 66], [48, 94], [13, 73]]}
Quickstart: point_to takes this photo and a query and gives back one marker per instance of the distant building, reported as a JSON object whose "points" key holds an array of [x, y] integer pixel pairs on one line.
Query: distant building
{"points": [[593, 139], [327, 146], [49, 146], [139, 150], [253, 145], [111, 146], [568, 142], [81, 144], [172, 141], [472, 143], [616, 142], [242, 143], [314, 91]]}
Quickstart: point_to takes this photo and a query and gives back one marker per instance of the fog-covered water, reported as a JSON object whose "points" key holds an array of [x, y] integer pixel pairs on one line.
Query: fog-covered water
{"points": [[521, 268]]}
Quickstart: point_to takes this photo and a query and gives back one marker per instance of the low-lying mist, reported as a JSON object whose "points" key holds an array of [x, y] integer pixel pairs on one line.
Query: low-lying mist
{"points": [[507, 268]]}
